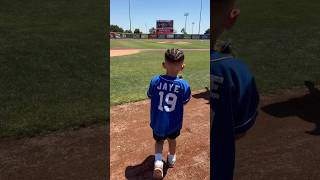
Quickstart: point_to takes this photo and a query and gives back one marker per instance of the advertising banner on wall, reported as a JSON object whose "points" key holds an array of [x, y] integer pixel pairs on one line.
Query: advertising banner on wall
{"points": [[161, 36], [127, 35], [187, 36], [179, 36], [144, 36], [195, 36], [205, 36], [170, 36], [136, 36], [152, 36]]}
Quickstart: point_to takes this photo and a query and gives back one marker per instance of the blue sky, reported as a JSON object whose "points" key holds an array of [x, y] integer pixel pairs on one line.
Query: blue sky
{"points": [[148, 11]]}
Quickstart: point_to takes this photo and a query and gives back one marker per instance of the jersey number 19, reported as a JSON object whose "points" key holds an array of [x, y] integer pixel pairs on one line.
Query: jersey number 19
{"points": [[170, 101]]}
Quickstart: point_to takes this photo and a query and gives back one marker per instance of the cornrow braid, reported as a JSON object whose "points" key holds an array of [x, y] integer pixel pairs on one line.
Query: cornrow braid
{"points": [[174, 55]]}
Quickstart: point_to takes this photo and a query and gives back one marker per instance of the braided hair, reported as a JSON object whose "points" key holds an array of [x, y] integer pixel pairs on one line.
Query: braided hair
{"points": [[174, 55]]}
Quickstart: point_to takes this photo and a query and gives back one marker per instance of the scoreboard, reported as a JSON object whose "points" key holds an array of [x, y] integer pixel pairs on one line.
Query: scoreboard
{"points": [[164, 27]]}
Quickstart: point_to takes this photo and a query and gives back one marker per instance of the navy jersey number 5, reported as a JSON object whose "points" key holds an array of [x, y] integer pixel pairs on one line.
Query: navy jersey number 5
{"points": [[234, 101]]}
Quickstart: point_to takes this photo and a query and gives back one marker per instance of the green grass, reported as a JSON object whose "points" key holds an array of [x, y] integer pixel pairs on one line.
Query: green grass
{"points": [[52, 71], [130, 75], [279, 40], [152, 44]]}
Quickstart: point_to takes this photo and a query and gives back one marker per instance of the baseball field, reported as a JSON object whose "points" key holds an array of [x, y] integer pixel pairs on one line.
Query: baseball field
{"points": [[131, 68], [130, 75], [53, 101], [279, 42]]}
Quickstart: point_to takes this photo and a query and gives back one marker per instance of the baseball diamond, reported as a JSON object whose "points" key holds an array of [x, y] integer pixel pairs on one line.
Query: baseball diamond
{"points": [[54, 86]]}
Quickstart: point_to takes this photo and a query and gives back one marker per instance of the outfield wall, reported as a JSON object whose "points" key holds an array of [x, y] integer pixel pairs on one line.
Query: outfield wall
{"points": [[159, 36]]}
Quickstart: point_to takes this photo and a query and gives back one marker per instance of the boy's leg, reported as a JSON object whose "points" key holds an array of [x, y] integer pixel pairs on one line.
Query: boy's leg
{"points": [[172, 146], [171, 159], [172, 142], [158, 163], [158, 150]]}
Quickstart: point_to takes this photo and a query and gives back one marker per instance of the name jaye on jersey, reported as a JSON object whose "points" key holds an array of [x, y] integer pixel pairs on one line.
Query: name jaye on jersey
{"points": [[165, 87], [170, 98]]}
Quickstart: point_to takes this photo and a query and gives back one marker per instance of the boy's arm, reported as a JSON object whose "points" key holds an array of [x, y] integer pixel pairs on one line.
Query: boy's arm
{"points": [[186, 94], [150, 89]]}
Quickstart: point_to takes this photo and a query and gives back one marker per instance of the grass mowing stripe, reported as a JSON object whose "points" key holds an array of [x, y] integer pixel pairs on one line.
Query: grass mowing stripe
{"points": [[52, 71], [151, 44]]}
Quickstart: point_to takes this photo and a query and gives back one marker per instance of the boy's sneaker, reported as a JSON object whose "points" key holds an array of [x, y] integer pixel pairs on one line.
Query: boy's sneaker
{"points": [[171, 160], [158, 170]]}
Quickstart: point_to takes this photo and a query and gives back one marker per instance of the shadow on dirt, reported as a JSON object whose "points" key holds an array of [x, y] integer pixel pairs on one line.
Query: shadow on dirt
{"points": [[144, 170], [205, 95], [306, 107]]}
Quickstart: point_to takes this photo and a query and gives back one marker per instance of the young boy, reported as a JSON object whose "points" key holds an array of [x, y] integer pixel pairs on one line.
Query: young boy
{"points": [[168, 94], [234, 97]]}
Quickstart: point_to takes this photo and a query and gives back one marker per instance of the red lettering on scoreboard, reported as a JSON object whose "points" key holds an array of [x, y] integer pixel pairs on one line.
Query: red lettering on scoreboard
{"points": [[164, 27]]}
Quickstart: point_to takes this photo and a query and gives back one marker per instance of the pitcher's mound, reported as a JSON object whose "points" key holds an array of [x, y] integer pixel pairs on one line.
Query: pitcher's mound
{"points": [[123, 52]]}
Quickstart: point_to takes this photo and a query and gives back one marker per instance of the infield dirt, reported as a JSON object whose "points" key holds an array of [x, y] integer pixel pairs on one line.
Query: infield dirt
{"points": [[123, 52], [132, 145]]}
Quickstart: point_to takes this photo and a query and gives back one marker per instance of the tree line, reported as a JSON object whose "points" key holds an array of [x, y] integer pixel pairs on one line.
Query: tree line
{"points": [[116, 28]]}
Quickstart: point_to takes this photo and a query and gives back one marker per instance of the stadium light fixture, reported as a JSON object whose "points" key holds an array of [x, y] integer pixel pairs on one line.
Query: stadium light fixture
{"points": [[192, 27], [185, 23], [200, 16], [130, 15]]}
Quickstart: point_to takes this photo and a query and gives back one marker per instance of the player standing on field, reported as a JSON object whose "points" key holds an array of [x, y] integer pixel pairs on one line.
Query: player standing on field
{"points": [[168, 94], [234, 97]]}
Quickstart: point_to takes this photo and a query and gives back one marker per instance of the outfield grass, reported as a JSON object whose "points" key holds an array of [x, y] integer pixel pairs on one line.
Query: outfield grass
{"points": [[153, 44], [52, 71], [279, 40], [130, 75]]}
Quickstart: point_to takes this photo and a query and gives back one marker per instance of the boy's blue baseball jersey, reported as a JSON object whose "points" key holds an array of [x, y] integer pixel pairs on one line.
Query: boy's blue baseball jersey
{"points": [[168, 95], [234, 101]]}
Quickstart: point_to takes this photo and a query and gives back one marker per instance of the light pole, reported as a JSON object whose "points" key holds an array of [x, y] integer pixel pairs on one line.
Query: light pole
{"points": [[146, 28], [130, 15], [185, 23], [192, 27], [200, 17]]}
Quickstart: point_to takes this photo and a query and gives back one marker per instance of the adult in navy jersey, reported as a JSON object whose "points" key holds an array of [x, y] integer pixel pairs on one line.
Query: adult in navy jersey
{"points": [[234, 100], [234, 97], [168, 94]]}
